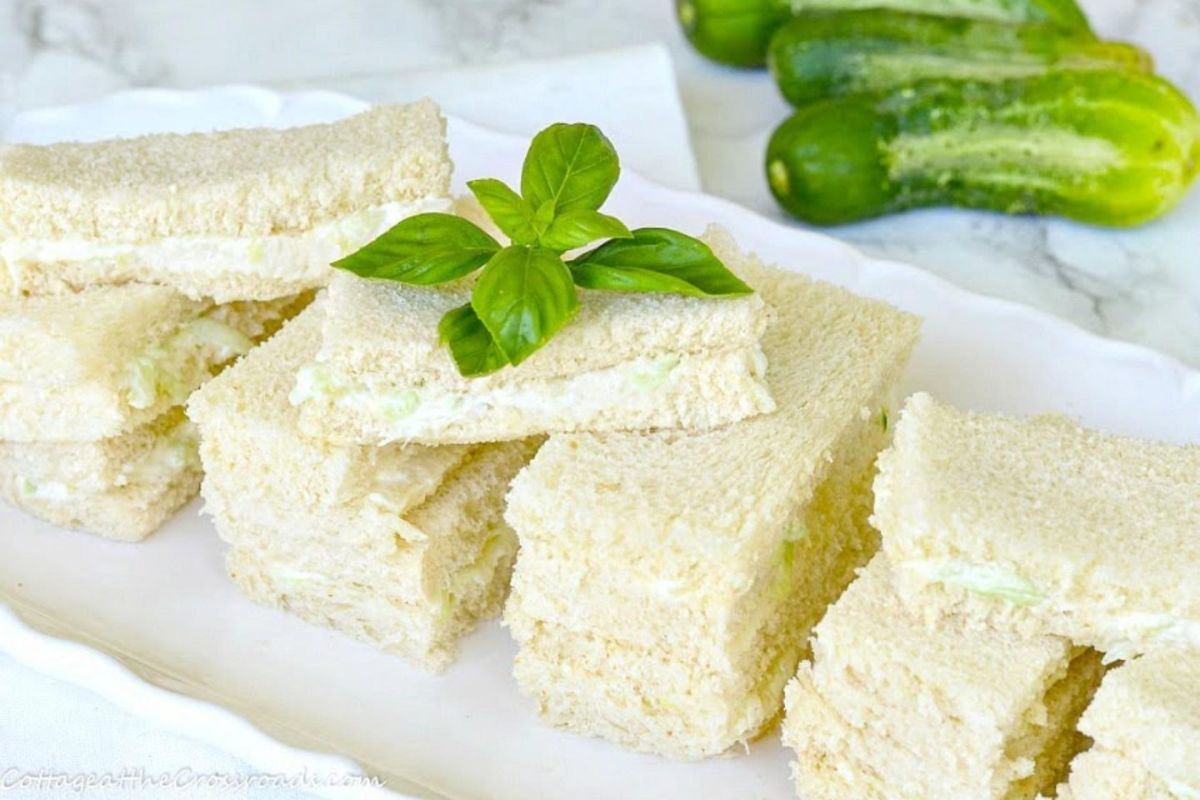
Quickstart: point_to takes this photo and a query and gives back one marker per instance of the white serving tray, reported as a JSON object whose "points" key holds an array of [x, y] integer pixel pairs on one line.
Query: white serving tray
{"points": [[165, 610]]}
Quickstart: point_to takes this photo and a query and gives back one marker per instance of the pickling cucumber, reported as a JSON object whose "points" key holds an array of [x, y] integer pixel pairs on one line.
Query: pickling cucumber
{"points": [[732, 32], [1103, 147], [1063, 13], [827, 53]]}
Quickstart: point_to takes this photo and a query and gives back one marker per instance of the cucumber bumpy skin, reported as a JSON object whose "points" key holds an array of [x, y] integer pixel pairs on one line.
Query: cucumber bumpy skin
{"points": [[822, 54], [1102, 147], [1062, 13], [732, 32]]}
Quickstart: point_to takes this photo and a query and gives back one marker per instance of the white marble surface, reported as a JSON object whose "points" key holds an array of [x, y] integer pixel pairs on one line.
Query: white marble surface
{"points": [[1141, 285]]}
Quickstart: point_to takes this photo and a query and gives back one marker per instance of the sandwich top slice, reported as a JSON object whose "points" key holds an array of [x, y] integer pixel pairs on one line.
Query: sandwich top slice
{"points": [[1044, 526], [101, 362], [889, 708], [1145, 722], [626, 362], [242, 214]]}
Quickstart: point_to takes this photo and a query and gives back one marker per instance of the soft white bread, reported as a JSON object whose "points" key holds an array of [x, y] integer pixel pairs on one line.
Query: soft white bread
{"points": [[105, 361], [654, 562], [121, 488], [888, 709], [626, 362], [404, 547], [112, 202], [1101, 774], [249, 431], [1043, 526], [1145, 721]]}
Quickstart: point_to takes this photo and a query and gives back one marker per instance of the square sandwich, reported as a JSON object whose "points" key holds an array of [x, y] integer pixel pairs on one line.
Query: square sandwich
{"points": [[891, 709], [92, 432], [1043, 526], [1145, 722], [667, 581], [235, 215], [626, 362], [404, 547]]}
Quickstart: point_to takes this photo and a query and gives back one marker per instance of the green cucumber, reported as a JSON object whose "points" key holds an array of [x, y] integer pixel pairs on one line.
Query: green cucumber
{"points": [[732, 32], [1104, 147], [828, 53], [1062, 13]]}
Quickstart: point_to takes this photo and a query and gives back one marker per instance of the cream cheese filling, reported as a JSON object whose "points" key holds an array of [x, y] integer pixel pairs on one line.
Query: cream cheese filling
{"points": [[1120, 633], [411, 411], [285, 255], [169, 369], [171, 456]]}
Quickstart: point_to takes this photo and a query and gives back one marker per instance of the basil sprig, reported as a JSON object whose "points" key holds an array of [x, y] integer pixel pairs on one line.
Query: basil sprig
{"points": [[526, 293]]}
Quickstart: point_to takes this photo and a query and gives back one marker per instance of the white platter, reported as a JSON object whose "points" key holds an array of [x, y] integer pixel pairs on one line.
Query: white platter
{"points": [[165, 610]]}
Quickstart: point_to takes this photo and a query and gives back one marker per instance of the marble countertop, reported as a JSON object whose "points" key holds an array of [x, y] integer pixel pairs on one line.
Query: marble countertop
{"points": [[1141, 285]]}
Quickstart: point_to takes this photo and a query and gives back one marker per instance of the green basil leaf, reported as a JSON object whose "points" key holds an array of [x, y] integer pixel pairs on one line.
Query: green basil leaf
{"points": [[511, 213], [426, 249], [544, 216], [524, 296], [574, 165], [471, 346], [581, 226], [657, 260]]}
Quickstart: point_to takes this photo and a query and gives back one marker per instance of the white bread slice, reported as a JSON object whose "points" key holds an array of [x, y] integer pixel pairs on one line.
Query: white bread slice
{"points": [[403, 547], [151, 208], [890, 709], [704, 557], [102, 362], [1101, 774], [626, 362], [1145, 721], [1043, 526], [122, 488]]}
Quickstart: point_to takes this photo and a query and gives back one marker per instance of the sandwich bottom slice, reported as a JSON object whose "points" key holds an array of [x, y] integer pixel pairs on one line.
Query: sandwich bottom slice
{"points": [[1145, 722], [124, 487], [667, 582], [890, 708], [121, 488], [404, 547]]}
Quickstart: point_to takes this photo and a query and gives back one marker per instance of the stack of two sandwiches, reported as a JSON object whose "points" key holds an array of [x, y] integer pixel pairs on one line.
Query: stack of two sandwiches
{"points": [[1020, 559], [131, 271], [360, 481]]}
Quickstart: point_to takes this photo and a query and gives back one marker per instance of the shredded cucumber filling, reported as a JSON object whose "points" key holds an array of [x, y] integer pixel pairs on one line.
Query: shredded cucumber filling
{"points": [[281, 254], [475, 577], [170, 457], [43, 490], [410, 410], [994, 581], [168, 370]]}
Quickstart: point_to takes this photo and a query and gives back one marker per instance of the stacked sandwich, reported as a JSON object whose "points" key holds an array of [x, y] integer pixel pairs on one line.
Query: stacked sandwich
{"points": [[1019, 558], [667, 581], [360, 479], [133, 270]]}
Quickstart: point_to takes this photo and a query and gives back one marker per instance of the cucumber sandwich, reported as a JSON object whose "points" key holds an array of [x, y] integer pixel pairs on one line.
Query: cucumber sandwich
{"points": [[628, 361], [404, 547], [1042, 526], [1145, 722], [235, 215], [92, 434], [890, 708], [667, 581]]}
